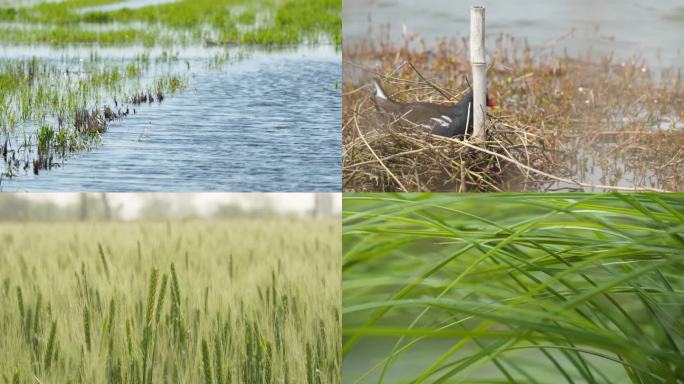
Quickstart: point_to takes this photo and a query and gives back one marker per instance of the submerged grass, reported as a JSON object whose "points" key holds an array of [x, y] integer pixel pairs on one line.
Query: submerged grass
{"points": [[532, 288], [49, 110], [252, 301], [561, 122]]}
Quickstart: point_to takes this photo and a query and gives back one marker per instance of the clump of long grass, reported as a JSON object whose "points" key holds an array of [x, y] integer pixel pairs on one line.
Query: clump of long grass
{"points": [[560, 123], [537, 288], [156, 302]]}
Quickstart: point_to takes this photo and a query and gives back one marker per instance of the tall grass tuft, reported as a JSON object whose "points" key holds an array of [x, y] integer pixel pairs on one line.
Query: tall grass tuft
{"points": [[148, 335], [536, 288], [105, 265], [86, 328], [20, 303], [50, 346], [206, 363], [162, 295], [218, 362]]}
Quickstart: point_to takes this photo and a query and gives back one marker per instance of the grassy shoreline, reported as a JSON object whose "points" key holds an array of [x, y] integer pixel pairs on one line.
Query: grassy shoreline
{"points": [[60, 108], [49, 110]]}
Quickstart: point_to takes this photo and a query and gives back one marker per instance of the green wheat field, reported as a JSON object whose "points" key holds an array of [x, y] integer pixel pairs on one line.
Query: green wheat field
{"points": [[522, 288], [242, 301]]}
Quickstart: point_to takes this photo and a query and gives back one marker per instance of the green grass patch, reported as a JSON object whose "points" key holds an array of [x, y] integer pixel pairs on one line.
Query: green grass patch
{"points": [[287, 22], [525, 288]]}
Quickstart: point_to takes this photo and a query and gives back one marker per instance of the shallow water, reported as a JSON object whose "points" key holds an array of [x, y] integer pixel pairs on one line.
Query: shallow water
{"points": [[267, 123], [626, 27], [129, 4], [56, 54]]}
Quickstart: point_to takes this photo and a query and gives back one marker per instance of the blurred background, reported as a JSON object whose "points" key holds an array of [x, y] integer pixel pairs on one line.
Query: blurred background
{"points": [[625, 27], [155, 206]]}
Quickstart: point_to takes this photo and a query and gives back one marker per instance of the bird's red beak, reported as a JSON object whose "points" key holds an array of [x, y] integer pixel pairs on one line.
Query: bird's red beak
{"points": [[490, 103]]}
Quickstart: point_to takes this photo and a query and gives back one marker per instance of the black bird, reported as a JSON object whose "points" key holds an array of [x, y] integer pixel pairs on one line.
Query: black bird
{"points": [[441, 120]]}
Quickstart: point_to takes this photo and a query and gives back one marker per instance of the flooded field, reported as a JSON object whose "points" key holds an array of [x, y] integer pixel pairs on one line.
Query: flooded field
{"points": [[150, 96], [231, 129], [584, 105]]}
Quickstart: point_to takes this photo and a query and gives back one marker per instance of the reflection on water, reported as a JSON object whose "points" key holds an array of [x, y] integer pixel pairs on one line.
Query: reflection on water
{"points": [[270, 122], [623, 26]]}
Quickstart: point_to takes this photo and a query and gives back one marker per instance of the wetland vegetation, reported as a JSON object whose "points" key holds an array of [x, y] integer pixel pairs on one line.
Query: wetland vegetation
{"points": [[74, 67], [513, 288], [194, 301], [592, 123], [201, 21], [63, 104]]}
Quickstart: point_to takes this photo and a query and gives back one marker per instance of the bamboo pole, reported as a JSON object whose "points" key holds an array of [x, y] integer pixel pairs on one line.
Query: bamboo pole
{"points": [[479, 65]]}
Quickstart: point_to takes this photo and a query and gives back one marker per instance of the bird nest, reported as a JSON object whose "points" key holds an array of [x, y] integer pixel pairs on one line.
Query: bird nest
{"points": [[561, 124], [384, 153]]}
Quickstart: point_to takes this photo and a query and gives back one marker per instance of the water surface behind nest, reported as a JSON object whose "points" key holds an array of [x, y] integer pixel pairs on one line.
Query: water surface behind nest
{"points": [[623, 26], [270, 122]]}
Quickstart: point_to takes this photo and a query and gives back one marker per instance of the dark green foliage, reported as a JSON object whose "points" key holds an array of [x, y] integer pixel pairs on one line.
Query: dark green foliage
{"points": [[86, 328], [50, 346], [20, 302]]}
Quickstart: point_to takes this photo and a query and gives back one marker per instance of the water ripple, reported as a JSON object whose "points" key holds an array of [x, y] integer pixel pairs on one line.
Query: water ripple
{"points": [[269, 123]]}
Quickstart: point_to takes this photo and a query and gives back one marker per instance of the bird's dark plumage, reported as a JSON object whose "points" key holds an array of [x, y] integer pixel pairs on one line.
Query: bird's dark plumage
{"points": [[442, 120]]}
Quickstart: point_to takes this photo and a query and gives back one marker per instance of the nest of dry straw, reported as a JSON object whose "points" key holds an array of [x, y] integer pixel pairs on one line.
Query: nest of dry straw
{"points": [[393, 154], [561, 124]]}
